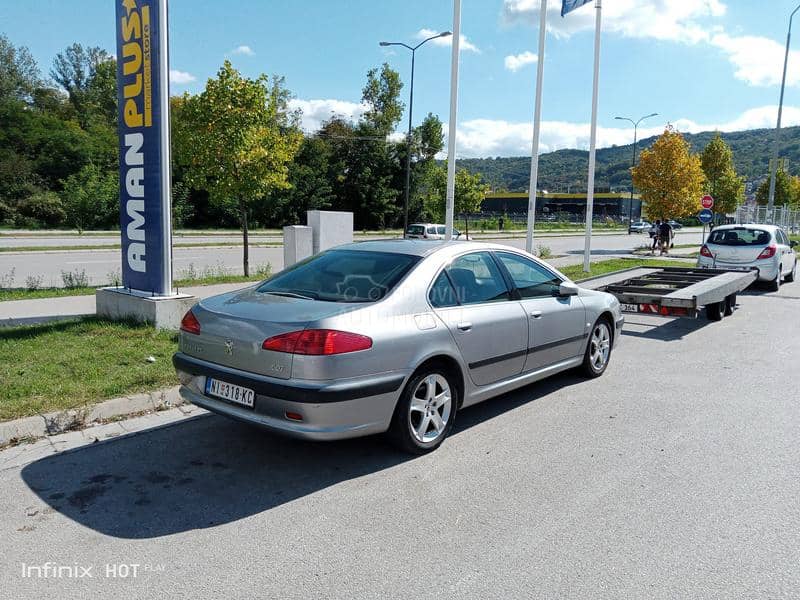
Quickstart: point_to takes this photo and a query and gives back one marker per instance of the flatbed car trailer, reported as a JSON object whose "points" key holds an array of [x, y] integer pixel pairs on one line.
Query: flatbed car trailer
{"points": [[675, 291]]}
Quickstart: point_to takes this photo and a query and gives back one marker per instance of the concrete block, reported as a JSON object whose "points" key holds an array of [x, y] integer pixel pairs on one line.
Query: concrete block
{"points": [[163, 312], [331, 228], [298, 243]]}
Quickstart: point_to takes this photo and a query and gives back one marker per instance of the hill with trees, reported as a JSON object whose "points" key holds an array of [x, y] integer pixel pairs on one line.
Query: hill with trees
{"points": [[565, 170]]}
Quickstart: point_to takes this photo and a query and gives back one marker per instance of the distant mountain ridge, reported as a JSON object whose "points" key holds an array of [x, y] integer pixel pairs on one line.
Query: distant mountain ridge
{"points": [[566, 170]]}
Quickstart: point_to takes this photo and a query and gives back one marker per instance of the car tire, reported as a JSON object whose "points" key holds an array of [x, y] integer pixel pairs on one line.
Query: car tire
{"points": [[775, 284], [598, 348], [717, 310], [413, 428], [730, 305], [791, 276]]}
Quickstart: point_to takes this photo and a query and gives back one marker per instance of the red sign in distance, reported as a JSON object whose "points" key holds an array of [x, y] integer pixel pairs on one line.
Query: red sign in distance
{"points": [[707, 201]]}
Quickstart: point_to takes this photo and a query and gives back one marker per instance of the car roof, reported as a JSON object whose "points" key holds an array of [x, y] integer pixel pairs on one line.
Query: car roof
{"points": [[746, 226], [418, 247]]}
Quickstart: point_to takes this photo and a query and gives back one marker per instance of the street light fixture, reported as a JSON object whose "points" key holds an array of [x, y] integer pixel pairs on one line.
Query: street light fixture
{"points": [[774, 166], [410, 114], [633, 163]]}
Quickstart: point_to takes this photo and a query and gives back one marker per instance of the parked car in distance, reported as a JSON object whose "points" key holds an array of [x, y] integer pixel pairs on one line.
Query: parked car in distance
{"points": [[432, 231], [764, 247], [675, 225], [390, 335], [639, 227]]}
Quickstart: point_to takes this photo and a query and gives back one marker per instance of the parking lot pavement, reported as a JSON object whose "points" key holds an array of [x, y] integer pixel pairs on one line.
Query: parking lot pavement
{"points": [[673, 475]]}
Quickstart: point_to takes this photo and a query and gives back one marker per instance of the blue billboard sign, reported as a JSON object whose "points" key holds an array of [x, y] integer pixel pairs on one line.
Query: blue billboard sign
{"points": [[144, 151]]}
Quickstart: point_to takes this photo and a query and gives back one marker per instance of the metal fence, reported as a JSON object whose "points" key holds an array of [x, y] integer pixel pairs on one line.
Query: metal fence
{"points": [[780, 215]]}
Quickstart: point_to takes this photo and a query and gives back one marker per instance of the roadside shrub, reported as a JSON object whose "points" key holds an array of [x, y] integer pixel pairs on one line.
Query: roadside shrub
{"points": [[264, 270], [43, 209], [114, 278], [91, 198], [543, 251], [7, 279], [33, 282], [74, 279]]}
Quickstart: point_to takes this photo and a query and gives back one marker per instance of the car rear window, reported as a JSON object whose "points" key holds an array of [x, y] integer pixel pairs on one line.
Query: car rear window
{"points": [[739, 237], [342, 276], [416, 229]]}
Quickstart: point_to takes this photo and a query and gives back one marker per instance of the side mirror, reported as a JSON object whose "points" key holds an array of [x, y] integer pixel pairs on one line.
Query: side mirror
{"points": [[567, 288], [792, 243]]}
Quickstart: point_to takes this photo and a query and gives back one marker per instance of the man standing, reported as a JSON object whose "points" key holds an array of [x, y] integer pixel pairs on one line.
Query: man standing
{"points": [[665, 236], [654, 229]]}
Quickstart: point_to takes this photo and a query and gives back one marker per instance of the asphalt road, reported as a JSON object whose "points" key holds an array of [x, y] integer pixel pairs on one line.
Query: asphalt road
{"points": [[100, 264], [675, 475]]}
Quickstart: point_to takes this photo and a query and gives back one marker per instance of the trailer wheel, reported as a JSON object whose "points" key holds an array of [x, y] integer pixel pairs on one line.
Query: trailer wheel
{"points": [[716, 311], [730, 305]]}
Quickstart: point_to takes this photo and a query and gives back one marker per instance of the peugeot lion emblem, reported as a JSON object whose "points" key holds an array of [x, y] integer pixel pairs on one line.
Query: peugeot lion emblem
{"points": [[228, 346]]}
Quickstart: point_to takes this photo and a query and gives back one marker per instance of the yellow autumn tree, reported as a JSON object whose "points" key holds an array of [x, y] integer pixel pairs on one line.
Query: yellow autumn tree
{"points": [[669, 177]]}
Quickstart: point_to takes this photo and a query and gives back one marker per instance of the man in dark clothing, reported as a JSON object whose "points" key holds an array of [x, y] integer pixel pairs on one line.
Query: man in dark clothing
{"points": [[665, 236]]}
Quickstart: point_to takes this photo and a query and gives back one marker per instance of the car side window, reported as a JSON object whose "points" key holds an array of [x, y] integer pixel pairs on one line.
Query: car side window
{"points": [[531, 279], [440, 230], [477, 279], [782, 238], [431, 230], [442, 293]]}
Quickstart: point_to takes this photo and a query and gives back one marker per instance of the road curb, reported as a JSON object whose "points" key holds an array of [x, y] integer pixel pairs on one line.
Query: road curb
{"points": [[30, 428]]}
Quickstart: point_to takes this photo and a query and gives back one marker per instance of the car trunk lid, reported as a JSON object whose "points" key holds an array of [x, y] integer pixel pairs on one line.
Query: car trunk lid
{"points": [[233, 327]]}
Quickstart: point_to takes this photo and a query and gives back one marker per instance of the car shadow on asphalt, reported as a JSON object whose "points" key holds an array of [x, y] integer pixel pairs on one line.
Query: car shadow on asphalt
{"points": [[665, 329], [209, 470]]}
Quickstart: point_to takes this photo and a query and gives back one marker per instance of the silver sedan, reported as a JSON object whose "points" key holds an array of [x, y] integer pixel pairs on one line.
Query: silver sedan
{"points": [[390, 336]]}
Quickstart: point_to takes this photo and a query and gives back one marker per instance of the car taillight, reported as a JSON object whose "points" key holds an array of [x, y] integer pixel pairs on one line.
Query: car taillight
{"points": [[317, 342], [704, 251], [190, 324], [768, 252]]}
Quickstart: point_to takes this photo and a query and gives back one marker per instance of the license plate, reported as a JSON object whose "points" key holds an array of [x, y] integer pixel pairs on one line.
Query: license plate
{"points": [[630, 307], [232, 393]]}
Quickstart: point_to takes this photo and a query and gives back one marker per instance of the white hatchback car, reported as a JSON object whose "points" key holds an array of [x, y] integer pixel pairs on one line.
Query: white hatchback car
{"points": [[765, 247], [432, 231]]}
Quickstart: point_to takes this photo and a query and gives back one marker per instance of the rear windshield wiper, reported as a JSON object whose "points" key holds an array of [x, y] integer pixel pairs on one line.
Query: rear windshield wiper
{"points": [[304, 296]]}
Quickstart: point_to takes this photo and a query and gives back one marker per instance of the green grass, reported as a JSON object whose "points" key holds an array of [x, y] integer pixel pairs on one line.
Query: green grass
{"points": [[69, 364], [575, 272], [117, 246], [23, 294]]}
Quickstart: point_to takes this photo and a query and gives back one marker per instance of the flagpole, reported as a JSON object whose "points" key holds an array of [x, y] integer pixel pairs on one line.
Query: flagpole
{"points": [[451, 136], [537, 121], [587, 250]]}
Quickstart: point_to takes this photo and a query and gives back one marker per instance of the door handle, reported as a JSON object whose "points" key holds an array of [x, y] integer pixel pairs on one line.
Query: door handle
{"points": [[536, 314], [465, 326]]}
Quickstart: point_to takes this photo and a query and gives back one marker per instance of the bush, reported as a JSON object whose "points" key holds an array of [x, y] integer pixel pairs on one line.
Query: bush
{"points": [[91, 198], [74, 279], [43, 209], [33, 282]]}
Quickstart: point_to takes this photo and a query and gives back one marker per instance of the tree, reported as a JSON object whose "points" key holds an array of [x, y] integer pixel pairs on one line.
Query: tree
{"points": [[310, 187], [236, 140], [88, 75], [783, 189], [381, 96], [91, 198], [723, 184], [669, 177], [470, 191], [19, 74]]}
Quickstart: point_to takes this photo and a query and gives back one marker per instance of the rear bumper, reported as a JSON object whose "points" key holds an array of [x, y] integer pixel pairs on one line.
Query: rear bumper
{"points": [[330, 410], [767, 269]]}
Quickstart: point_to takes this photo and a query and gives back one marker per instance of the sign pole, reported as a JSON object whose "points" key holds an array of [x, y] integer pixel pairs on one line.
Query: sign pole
{"points": [[451, 136], [587, 249], [166, 151], [537, 121]]}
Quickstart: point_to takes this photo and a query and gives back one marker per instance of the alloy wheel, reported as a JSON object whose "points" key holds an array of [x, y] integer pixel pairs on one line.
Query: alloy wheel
{"points": [[430, 408], [600, 346]]}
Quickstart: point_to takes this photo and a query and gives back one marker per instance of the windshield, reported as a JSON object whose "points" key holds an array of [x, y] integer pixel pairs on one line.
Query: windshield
{"points": [[342, 276], [416, 229], [739, 237]]}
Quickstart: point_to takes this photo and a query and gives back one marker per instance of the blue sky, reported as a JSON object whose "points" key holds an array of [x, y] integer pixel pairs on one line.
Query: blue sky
{"points": [[701, 64]]}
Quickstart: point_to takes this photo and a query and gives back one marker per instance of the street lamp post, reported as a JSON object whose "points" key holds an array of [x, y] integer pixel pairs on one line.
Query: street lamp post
{"points": [[774, 166], [633, 162], [410, 115]]}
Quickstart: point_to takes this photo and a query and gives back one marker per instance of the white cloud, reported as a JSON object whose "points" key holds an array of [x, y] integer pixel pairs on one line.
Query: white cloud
{"points": [[489, 137], [243, 50], [515, 62], [758, 60], [315, 112], [677, 20], [180, 77], [464, 44]]}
